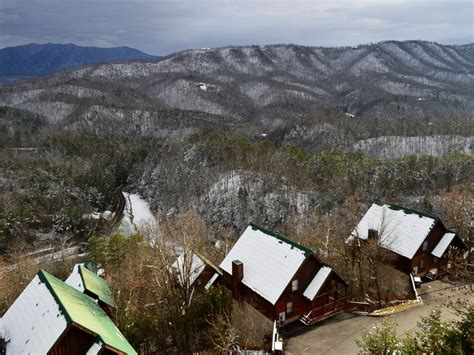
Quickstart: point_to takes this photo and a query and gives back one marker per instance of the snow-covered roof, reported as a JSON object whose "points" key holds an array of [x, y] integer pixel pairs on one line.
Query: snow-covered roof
{"points": [[317, 282], [75, 279], [270, 261], [2, 330], [35, 320], [400, 230], [42, 312], [443, 244], [188, 265]]}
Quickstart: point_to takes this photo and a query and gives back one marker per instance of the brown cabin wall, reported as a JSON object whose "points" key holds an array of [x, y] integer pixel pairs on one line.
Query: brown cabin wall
{"points": [[74, 341], [301, 305], [423, 259], [332, 290], [204, 277]]}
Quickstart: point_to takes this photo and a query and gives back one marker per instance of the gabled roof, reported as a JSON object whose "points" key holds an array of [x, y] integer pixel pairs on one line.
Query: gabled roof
{"points": [[270, 261], [317, 282], [97, 285], [188, 265], [34, 322], [193, 264], [443, 244], [83, 279], [45, 308], [400, 230], [82, 310]]}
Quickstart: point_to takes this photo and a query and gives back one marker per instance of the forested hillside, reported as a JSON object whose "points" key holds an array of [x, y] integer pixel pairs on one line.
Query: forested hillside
{"points": [[299, 140]]}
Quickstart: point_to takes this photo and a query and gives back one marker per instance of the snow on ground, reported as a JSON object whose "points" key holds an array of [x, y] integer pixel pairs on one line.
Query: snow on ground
{"points": [[393, 147], [98, 215], [137, 215]]}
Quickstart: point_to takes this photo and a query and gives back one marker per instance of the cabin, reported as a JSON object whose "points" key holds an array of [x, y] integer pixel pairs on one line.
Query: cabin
{"points": [[51, 317], [195, 271], [284, 280], [88, 282], [421, 243]]}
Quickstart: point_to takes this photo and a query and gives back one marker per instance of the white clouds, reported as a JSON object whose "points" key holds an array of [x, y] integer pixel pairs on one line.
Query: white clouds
{"points": [[161, 27]]}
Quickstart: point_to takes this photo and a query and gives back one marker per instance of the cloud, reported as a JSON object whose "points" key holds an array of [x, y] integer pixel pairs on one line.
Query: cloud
{"points": [[161, 27]]}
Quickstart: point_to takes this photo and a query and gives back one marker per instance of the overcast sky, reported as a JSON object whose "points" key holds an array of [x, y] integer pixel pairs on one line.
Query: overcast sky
{"points": [[161, 27]]}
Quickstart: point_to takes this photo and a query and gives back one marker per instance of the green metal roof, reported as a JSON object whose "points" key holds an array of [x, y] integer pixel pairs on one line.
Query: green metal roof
{"points": [[96, 285], [82, 310]]}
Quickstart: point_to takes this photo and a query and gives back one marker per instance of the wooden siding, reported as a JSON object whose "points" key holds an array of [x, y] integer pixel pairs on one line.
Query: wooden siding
{"points": [[325, 302], [74, 341], [423, 259]]}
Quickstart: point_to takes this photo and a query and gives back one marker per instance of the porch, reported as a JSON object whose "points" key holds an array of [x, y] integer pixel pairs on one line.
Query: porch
{"points": [[324, 306]]}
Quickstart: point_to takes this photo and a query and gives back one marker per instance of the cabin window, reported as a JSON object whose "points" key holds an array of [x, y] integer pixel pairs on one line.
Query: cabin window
{"points": [[294, 285], [422, 263], [289, 307], [425, 245]]}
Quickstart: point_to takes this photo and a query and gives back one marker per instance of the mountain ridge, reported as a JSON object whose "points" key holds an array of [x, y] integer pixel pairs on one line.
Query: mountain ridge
{"points": [[34, 60], [272, 88]]}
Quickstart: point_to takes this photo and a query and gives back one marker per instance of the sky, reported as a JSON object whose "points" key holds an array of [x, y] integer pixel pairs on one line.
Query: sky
{"points": [[162, 27]]}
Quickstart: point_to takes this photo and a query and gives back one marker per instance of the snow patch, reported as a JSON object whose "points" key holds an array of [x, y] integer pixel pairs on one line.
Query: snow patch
{"points": [[137, 214]]}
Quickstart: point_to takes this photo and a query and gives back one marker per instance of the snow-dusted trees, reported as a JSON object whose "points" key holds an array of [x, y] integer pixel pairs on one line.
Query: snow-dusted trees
{"points": [[158, 308]]}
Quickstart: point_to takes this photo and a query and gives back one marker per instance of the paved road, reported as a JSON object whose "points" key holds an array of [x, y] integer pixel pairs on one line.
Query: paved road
{"points": [[337, 336]]}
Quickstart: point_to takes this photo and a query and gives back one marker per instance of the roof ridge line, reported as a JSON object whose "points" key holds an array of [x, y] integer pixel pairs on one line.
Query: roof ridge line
{"points": [[307, 250], [43, 276], [411, 210]]}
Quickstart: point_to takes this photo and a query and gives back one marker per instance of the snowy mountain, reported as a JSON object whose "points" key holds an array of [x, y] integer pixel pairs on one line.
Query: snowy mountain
{"points": [[282, 90]]}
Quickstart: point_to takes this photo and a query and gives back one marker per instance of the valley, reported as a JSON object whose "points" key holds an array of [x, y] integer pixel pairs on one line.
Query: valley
{"points": [[130, 164]]}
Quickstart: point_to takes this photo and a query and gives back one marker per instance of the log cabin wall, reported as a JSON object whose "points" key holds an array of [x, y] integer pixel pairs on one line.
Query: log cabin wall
{"points": [[331, 295], [74, 341], [301, 304], [423, 260]]}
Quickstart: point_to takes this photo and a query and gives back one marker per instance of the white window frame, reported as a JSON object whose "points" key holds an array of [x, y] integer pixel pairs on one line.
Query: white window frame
{"points": [[425, 245], [289, 307], [294, 285]]}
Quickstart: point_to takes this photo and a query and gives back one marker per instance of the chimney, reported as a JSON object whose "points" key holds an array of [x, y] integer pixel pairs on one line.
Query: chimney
{"points": [[237, 276], [373, 234]]}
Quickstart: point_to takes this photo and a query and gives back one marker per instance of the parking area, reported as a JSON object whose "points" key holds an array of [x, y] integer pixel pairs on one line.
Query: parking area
{"points": [[337, 336]]}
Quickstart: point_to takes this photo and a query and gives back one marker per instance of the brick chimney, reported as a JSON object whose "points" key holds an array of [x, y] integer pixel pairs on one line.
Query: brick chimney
{"points": [[373, 234], [237, 276]]}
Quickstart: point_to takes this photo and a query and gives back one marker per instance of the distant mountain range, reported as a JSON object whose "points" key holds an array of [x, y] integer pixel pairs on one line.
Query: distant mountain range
{"points": [[284, 90], [33, 60]]}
